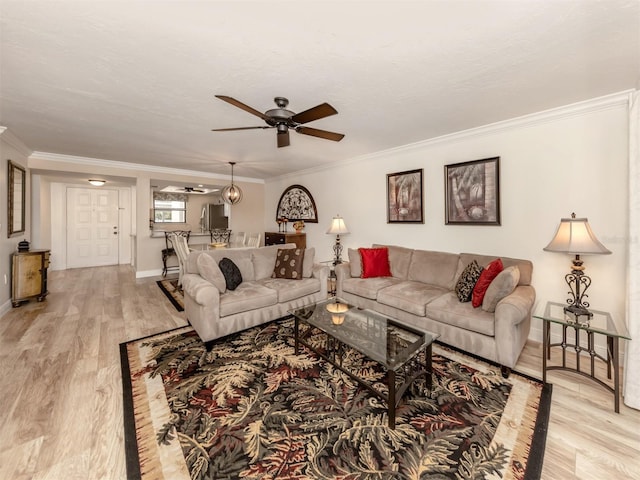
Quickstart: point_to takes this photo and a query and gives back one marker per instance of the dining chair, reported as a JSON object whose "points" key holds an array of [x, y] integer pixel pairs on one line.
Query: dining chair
{"points": [[238, 239], [169, 250], [220, 235], [254, 240], [182, 250]]}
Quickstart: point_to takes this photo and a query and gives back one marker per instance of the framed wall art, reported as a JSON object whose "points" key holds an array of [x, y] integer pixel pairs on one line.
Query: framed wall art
{"points": [[472, 192], [296, 203], [16, 201], [404, 197]]}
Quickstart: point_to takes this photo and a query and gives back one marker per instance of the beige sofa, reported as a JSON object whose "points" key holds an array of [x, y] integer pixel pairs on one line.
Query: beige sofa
{"points": [[421, 292], [215, 312]]}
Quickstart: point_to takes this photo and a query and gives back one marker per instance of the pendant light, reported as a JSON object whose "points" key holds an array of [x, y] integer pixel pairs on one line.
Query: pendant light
{"points": [[231, 194]]}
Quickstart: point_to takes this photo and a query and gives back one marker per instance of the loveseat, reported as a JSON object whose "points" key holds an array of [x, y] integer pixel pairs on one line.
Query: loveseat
{"points": [[422, 290], [215, 310]]}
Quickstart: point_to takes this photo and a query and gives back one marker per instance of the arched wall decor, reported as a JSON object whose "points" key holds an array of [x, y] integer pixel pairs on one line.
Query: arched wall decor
{"points": [[296, 203]]}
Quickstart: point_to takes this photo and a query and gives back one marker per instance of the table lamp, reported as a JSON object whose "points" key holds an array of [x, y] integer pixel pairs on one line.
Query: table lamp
{"points": [[337, 228], [575, 237]]}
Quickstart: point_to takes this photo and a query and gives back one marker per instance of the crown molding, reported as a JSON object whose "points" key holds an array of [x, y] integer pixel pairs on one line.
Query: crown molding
{"points": [[138, 167], [14, 141], [551, 115]]}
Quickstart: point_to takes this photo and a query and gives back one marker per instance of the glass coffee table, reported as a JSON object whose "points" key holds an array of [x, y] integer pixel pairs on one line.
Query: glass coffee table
{"points": [[329, 328]]}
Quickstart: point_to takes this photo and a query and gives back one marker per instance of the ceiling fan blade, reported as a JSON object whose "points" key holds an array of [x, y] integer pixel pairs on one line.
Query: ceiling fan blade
{"points": [[283, 139], [238, 128], [315, 113], [244, 107], [314, 132]]}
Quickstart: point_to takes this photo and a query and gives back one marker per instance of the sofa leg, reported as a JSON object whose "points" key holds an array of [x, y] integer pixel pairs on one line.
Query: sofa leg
{"points": [[209, 345], [506, 371]]}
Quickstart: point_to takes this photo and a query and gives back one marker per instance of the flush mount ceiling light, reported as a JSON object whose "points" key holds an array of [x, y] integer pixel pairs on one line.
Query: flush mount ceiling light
{"points": [[96, 182], [231, 194]]}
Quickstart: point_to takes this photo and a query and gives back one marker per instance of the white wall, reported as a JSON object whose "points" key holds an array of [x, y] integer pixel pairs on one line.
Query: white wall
{"points": [[551, 164], [11, 148]]}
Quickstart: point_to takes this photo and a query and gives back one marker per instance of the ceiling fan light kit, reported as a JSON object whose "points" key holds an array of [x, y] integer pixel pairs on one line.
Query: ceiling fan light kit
{"points": [[282, 120], [232, 193]]}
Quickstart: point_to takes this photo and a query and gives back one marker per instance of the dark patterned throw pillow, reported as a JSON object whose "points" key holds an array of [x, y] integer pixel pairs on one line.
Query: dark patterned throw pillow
{"points": [[231, 272], [467, 280], [289, 263]]}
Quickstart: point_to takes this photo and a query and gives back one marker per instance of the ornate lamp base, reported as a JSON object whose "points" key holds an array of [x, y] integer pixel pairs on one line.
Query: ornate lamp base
{"points": [[578, 284]]}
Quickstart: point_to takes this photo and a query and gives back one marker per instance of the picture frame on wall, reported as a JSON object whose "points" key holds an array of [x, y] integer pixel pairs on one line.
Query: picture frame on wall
{"points": [[404, 197], [472, 192]]}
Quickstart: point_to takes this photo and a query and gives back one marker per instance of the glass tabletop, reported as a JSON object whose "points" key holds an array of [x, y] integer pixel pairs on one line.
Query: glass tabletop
{"points": [[601, 322], [387, 341]]}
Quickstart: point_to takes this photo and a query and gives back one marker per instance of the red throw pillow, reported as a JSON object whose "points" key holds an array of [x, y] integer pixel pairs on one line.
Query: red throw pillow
{"points": [[486, 277], [375, 262]]}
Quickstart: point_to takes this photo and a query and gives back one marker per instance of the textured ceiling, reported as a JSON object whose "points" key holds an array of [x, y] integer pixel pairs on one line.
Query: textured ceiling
{"points": [[135, 81]]}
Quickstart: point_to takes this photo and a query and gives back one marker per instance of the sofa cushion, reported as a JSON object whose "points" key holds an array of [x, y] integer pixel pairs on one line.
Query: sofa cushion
{"points": [[355, 262], [500, 287], [410, 296], [375, 262], [289, 263], [288, 290], [263, 260], [307, 263], [486, 277], [399, 260], [231, 272], [448, 309], [367, 287], [240, 256], [209, 270], [248, 296], [434, 268], [467, 280]]}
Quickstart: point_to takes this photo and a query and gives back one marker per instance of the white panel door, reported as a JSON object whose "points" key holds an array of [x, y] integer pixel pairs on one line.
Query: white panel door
{"points": [[92, 227]]}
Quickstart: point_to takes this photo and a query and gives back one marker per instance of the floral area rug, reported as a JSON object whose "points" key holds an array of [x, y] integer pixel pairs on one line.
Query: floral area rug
{"points": [[170, 288], [251, 408]]}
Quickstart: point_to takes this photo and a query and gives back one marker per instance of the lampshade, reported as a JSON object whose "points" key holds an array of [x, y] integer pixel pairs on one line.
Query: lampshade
{"points": [[574, 236], [96, 182], [338, 226], [232, 193]]}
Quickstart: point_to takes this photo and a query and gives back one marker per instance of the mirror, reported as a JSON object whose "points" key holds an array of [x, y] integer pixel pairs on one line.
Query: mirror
{"points": [[16, 200]]}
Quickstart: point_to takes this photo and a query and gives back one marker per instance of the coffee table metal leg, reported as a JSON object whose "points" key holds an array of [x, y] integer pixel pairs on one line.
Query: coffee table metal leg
{"points": [[391, 379], [428, 363]]}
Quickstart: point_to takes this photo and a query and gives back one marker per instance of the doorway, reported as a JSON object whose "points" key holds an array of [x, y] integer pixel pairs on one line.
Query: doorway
{"points": [[92, 227]]}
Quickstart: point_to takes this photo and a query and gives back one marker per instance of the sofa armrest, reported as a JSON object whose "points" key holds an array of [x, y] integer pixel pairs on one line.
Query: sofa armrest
{"points": [[200, 290], [515, 307], [201, 306], [513, 322], [320, 271], [342, 271]]}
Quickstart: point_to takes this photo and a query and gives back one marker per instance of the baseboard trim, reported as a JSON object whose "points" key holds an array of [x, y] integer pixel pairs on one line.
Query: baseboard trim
{"points": [[149, 273], [5, 308]]}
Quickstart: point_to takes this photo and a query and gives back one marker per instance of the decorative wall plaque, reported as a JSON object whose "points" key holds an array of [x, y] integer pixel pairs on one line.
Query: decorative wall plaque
{"points": [[296, 203]]}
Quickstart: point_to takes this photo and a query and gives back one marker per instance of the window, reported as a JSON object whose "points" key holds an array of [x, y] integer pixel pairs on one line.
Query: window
{"points": [[169, 210]]}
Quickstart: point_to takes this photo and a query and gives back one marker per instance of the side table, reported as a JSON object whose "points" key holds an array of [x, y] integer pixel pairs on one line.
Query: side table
{"points": [[602, 323], [331, 290]]}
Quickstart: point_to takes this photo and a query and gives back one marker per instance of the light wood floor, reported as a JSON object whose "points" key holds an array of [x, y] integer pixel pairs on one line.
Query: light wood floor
{"points": [[61, 391]]}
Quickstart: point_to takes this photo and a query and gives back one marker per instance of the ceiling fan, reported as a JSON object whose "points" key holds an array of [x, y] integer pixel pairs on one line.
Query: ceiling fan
{"points": [[193, 190], [282, 120]]}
